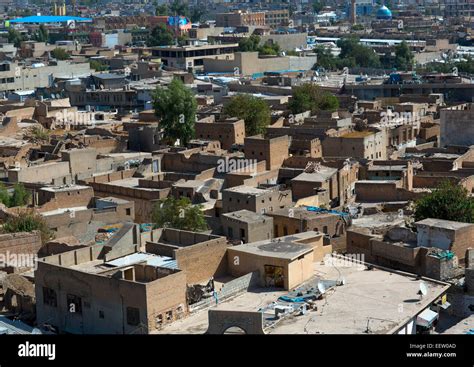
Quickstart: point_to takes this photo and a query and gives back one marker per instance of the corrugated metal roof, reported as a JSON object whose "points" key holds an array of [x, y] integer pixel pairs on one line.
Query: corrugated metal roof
{"points": [[150, 259], [8, 326]]}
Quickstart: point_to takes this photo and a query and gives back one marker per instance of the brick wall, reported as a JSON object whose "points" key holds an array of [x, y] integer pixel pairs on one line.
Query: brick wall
{"points": [[20, 243], [203, 260]]}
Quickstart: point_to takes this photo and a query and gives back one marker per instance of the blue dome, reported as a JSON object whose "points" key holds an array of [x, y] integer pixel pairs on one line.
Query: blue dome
{"points": [[384, 13]]}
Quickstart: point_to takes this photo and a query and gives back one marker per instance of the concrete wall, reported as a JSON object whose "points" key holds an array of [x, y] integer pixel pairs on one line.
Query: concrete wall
{"points": [[457, 125], [41, 173]]}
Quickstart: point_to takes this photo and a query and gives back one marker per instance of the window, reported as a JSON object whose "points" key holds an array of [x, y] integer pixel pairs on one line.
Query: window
{"points": [[49, 297], [128, 211], [74, 304], [101, 315], [133, 316]]}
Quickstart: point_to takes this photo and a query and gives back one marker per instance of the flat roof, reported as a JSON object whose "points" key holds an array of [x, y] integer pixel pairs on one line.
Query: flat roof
{"points": [[242, 189], [300, 212], [387, 167], [287, 247], [442, 223], [64, 188], [357, 134], [374, 301], [64, 210], [245, 215], [323, 174]]}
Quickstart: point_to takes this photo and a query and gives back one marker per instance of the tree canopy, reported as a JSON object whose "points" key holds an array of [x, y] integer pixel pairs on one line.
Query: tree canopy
{"points": [[403, 57], [448, 201], [160, 36], [60, 54], [355, 54], [15, 37], [179, 214], [253, 110], [19, 197], [252, 44], [249, 44], [26, 222], [176, 107], [310, 97], [352, 54], [41, 35]]}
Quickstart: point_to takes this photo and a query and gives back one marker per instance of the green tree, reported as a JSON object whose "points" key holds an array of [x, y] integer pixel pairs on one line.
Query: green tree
{"points": [[317, 6], [361, 55], [182, 39], [310, 97], [60, 54], [160, 36], [196, 14], [179, 8], [15, 37], [4, 195], [249, 44], [161, 9], [179, 214], [253, 110], [20, 195], [448, 201], [26, 222], [269, 48], [325, 58], [176, 108], [403, 57], [39, 134], [358, 27], [97, 65], [41, 35]]}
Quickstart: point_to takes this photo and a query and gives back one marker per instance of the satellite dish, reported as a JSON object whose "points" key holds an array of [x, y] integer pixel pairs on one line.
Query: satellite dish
{"points": [[36, 331], [321, 288], [423, 289]]}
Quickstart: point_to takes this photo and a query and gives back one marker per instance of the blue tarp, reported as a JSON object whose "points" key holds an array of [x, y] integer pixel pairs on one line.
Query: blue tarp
{"points": [[49, 19], [322, 210]]}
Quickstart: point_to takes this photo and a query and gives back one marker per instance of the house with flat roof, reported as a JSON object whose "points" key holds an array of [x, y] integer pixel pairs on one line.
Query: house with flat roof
{"points": [[132, 284], [283, 262]]}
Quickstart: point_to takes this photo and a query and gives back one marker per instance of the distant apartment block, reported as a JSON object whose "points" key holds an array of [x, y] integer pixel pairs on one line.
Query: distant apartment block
{"points": [[240, 18], [15, 77]]}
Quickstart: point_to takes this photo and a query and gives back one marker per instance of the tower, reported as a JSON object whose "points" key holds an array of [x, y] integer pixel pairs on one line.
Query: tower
{"points": [[353, 12]]}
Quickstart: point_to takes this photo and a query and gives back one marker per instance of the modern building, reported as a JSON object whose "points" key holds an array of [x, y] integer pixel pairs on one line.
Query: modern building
{"points": [[192, 57]]}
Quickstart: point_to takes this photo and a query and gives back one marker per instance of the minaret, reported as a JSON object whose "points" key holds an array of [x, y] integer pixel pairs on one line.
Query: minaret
{"points": [[353, 12]]}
